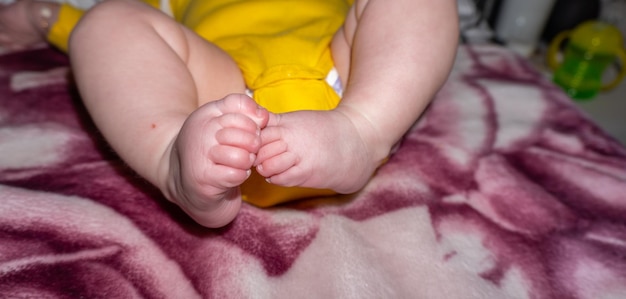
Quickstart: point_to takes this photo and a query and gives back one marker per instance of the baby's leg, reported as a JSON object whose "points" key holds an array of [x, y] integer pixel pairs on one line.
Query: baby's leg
{"points": [[391, 67], [159, 94]]}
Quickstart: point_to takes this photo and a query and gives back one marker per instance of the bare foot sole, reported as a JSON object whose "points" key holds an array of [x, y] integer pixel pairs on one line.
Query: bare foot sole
{"points": [[212, 155]]}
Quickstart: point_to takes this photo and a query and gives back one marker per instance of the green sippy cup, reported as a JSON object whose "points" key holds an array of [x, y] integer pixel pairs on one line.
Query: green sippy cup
{"points": [[592, 47]]}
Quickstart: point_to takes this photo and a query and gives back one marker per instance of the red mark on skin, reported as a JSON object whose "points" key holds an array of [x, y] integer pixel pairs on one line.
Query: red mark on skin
{"points": [[449, 255], [153, 126]]}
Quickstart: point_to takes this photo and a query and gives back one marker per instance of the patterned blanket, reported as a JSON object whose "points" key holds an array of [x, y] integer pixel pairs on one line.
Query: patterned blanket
{"points": [[503, 189]]}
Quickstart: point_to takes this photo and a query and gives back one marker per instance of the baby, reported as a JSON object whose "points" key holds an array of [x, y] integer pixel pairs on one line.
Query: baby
{"points": [[168, 85]]}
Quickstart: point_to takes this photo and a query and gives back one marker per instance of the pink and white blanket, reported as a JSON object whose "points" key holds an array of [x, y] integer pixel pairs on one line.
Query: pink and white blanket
{"points": [[504, 189]]}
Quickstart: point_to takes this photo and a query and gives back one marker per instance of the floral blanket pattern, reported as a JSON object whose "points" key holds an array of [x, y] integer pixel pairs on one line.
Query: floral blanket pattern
{"points": [[503, 189]]}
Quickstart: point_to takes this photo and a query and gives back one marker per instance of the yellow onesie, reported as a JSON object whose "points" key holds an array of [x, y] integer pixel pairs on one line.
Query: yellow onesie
{"points": [[281, 46]]}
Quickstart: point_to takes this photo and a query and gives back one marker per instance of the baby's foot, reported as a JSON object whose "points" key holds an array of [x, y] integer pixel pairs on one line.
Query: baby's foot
{"points": [[318, 149], [212, 155]]}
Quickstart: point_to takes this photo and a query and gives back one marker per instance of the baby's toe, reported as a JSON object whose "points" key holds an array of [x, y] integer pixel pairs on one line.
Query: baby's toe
{"points": [[243, 139], [231, 156], [228, 177], [277, 164], [271, 150]]}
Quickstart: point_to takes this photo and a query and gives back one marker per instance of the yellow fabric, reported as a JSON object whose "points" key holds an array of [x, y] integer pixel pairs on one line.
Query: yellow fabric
{"points": [[59, 33], [282, 48]]}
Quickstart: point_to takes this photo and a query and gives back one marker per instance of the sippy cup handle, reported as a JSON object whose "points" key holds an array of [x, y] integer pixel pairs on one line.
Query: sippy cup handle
{"points": [[555, 48], [621, 55]]}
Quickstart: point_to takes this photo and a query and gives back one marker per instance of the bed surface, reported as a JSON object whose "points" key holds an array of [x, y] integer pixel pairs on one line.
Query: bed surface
{"points": [[503, 189]]}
